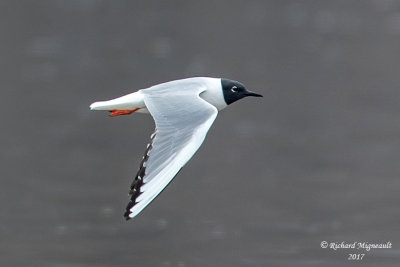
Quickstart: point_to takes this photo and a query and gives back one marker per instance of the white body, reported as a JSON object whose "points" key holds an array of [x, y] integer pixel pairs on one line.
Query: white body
{"points": [[212, 94]]}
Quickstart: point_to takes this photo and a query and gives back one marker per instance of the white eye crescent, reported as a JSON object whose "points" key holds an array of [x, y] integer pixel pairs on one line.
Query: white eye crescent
{"points": [[234, 89]]}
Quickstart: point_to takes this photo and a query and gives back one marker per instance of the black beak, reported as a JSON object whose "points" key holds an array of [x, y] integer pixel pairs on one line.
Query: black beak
{"points": [[249, 93]]}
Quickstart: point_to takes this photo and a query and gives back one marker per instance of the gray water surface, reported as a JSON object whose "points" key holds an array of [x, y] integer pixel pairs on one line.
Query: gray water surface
{"points": [[316, 159]]}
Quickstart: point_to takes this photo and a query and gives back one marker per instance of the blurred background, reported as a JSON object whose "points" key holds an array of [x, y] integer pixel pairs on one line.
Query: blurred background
{"points": [[316, 159]]}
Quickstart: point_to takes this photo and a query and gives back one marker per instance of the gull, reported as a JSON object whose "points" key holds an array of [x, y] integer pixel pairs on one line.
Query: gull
{"points": [[183, 111]]}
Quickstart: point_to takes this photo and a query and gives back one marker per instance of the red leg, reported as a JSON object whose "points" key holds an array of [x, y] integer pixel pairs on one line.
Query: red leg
{"points": [[117, 112]]}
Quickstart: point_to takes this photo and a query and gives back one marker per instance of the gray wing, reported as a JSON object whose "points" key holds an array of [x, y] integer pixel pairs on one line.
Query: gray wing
{"points": [[182, 121]]}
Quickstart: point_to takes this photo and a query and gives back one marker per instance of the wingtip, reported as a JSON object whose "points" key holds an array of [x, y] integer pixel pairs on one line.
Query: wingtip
{"points": [[127, 218], [128, 210]]}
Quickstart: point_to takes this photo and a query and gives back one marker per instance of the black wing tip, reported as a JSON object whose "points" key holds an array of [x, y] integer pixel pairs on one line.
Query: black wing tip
{"points": [[129, 207], [126, 215], [137, 183]]}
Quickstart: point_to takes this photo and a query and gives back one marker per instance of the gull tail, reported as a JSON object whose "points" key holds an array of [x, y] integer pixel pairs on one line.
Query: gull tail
{"points": [[123, 105]]}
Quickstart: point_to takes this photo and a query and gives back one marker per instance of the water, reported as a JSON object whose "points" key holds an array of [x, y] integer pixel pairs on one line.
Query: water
{"points": [[315, 160]]}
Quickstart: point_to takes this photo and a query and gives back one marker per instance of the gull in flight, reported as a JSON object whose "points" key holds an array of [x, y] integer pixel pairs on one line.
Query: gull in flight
{"points": [[183, 111]]}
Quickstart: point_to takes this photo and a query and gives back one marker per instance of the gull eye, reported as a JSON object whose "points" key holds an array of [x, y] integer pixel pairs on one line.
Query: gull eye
{"points": [[234, 89]]}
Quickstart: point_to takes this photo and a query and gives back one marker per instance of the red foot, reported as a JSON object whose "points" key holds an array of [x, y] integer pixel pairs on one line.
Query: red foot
{"points": [[116, 112]]}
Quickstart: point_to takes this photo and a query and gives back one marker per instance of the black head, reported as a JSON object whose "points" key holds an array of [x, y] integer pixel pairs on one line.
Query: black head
{"points": [[233, 91]]}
